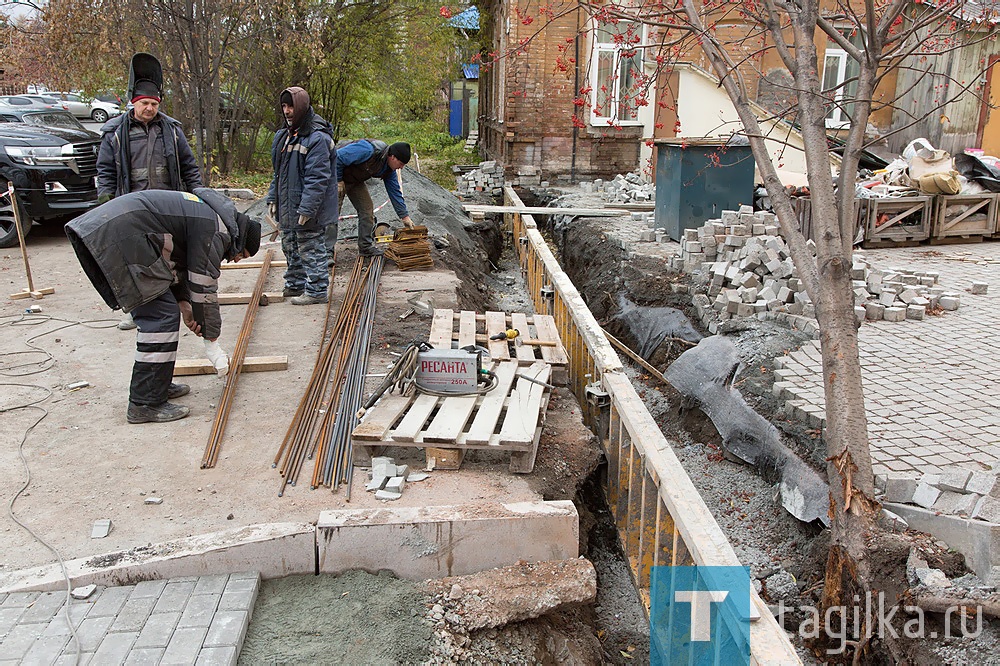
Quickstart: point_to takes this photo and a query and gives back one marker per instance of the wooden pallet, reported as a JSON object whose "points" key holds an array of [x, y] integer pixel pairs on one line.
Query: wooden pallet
{"points": [[966, 216], [539, 339], [903, 220], [508, 418]]}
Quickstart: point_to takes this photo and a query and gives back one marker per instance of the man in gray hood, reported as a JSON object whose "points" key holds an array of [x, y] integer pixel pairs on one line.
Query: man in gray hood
{"points": [[157, 255]]}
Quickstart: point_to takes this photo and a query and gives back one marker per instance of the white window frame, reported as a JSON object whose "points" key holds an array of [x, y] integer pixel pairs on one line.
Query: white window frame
{"points": [[837, 118], [598, 48]]}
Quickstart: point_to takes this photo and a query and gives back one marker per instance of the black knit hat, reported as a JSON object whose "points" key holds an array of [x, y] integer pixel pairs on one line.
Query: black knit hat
{"points": [[285, 98], [401, 151]]}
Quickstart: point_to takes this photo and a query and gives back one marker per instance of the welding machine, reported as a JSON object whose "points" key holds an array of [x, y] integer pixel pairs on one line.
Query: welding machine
{"points": [[448, 370]]}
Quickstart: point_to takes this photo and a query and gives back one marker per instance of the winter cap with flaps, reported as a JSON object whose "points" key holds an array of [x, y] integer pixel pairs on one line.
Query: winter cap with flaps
{"points": [[401, 151], [145, 89], [298, 99]]}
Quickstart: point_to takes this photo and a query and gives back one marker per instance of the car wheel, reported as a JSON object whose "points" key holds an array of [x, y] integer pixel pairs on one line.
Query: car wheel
{"points": [[8, 228], [99, 116]]}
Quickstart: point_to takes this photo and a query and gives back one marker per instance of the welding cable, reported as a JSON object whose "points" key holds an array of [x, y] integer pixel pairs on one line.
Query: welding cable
{"points": [[400, 374]]}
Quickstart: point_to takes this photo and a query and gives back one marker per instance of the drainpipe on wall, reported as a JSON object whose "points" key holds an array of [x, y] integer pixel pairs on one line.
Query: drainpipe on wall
{"points": [[576, 91]]}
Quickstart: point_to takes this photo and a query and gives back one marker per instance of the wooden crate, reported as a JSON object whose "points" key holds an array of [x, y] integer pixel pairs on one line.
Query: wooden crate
{"points": [[964, 215], [539, 339], [896, 220], [508, 418]]}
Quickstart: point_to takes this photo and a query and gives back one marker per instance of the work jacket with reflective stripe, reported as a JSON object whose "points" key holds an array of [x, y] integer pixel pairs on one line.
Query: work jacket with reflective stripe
{"points": [[303, 182]]}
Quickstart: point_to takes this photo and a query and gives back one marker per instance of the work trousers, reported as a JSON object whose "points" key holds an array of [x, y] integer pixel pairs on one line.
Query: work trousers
{"points": [[158, 330], [362, 202], [305, 251]]}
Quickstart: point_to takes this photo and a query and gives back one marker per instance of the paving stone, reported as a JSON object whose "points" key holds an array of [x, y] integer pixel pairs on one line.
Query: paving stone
{"points": [[91, 632], [8, 618], [201, 609], [148, 588], [228, 628], [174, 597], [158, 629], [144, 657], [58, 626], [20, 639], [894, 314], [218, 656], [211, 584], [20, 599], [45, 650], [184, 646], [115, 647], [133, 614], [925, 495], [988, 508], [954, 479], [957, 504], [110, 601], [981, 483], [900, 487], [44, 607], [237, 600]]}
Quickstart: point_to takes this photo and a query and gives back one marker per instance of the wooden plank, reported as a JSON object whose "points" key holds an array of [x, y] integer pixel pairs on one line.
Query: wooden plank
{"points": [[467, 329], [244, 298], [253, 264], [491, 406], [542, 210], [523, 407], [545, 325], [414, 420], [520, 322], [496, 322], [201, 366], [450, 420], [441, 327], [379, 419]]}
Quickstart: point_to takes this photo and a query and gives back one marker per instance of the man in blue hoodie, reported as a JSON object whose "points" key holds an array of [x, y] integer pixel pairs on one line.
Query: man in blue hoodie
{"points": [[302, 198], [357, 161]]}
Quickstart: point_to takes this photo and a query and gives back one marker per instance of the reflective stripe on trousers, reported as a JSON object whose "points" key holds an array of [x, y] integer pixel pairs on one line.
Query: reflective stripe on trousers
{"points": [[158, 330]]}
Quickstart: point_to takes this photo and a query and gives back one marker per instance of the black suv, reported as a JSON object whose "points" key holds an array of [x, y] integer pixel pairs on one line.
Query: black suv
{"points": [[52, 161]]}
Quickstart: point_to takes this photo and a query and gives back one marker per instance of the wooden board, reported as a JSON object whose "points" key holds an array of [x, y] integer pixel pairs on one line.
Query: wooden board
{"points": [[538, 340], [244, 298], [202, 366], [508, 418], [541, 210], [280, 263]]}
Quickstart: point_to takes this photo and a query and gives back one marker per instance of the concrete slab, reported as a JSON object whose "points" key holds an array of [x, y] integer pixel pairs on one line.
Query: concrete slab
{"points": [[977, 540], [430, 542], [274, 549]]}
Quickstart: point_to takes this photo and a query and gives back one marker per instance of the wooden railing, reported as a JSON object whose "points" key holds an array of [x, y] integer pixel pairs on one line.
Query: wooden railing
{"points": [[661, 518]]}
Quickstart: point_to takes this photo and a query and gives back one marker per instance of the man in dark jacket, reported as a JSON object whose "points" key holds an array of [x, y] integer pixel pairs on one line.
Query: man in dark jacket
{"points": [[144, 150], [302, 198], [357, 161], [157, 255]]}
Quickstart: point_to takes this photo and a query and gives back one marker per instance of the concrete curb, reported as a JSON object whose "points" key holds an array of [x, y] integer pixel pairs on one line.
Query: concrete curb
{"points": [[977, 540], [273, 549]]}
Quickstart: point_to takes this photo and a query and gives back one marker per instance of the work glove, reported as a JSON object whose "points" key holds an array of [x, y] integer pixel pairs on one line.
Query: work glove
{"points": [[272, 208], [303, 219], [103, 199], [218, 357]]}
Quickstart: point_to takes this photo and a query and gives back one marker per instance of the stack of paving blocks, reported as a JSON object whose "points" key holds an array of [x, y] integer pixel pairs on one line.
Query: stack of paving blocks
{"points": [[749, 273], [487, 178], [953, 491], [629, 188], [389, 479]]}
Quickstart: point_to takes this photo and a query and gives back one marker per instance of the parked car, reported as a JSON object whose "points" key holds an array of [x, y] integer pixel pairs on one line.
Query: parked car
{"points": [[111, 97], [46, 100], [52, 161], [95, 109], [26, 101]]}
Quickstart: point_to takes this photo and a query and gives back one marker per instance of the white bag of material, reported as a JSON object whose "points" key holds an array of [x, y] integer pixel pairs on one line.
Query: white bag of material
{"points": [[916, 145]]}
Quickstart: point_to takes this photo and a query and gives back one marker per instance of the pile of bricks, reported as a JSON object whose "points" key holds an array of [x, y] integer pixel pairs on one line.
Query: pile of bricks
{"points": [[488, 177], [388, 479], [953, 491], [629, 188], [749, 273]]}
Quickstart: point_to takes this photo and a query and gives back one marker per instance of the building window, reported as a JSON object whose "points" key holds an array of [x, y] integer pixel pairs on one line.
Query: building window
{"points": [[616, 73], [840, 83]]}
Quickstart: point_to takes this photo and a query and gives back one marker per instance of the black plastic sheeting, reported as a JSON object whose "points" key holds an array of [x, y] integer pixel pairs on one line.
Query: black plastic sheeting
{"points": [[649, 327], [704, 374]]}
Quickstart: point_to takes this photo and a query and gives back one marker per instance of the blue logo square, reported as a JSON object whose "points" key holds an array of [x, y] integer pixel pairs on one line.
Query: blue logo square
{"points": [[699, 615]]}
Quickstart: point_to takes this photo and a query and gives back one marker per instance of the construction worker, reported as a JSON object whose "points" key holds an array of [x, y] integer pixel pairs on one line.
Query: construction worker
{"points": [[357, 161], [302, 199], [157, 254], [144, 149]]}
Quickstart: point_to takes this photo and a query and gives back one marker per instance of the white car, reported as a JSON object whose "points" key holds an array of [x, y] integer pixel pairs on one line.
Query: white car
{"points": [[95, 110]]}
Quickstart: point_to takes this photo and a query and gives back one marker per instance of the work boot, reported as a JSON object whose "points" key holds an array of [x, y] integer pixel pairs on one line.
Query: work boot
{"points": [[288, 292], [373, 251], [177, 390], [156, 413], [306, 299], [126, 324]]}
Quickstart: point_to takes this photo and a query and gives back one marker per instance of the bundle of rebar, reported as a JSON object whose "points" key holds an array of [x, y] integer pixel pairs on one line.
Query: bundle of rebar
{"points": [[327, 413], [211, 455], [410, 249]]}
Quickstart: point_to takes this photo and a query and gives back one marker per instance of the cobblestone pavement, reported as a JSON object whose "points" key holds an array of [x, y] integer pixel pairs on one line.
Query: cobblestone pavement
{"points": [[195, 620], [930, 386]]}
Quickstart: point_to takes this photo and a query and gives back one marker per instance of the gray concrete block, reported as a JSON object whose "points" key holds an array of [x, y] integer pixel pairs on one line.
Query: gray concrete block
{"points": [[20, 639], [91, 632], [115, 647], [925, 495], [395, 484], [58, 626], [988, 509], [243, 581], [948, 302], [46, 650], [174, 597], [238, 600], [218, 656], [894, 314], [915, 312], [8, 618], [148, 588], [384, 495], [44, 608], [210, 584], [981, 483], [228, 628], [958, 504], [158, 630], [100, 529], [184, 646], [110, 601], [979, 288], [133, 614], [899, 487], [201, 609], [874, 311], [145, 657], [20, 599], [954, 479]]}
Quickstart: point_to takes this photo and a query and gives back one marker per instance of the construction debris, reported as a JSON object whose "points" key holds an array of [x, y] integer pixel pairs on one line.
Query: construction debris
{"points": [[628, 188], [388, 479], [488, 178]]}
